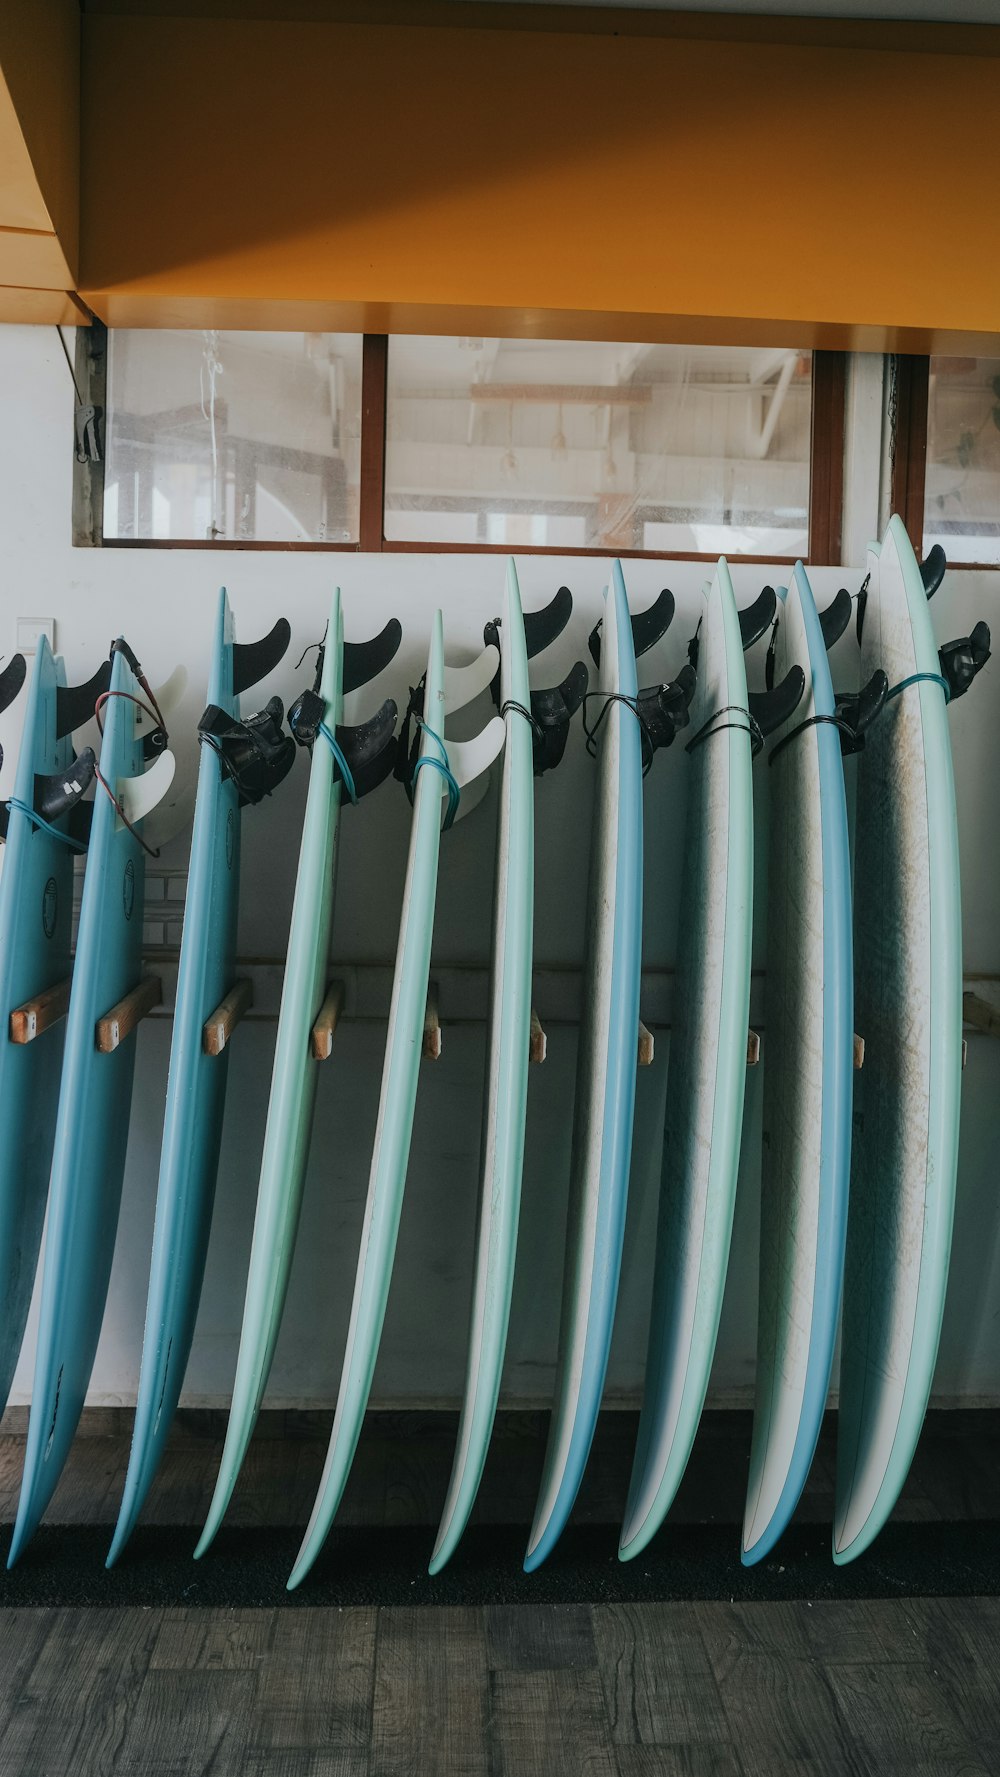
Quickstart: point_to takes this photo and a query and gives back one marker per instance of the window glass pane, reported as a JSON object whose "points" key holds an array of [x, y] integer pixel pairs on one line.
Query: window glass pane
{"points": [[529, 443], [962, 505], [233, 436]]}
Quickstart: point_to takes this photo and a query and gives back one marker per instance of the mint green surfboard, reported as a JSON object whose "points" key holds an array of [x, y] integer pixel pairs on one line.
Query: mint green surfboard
{"points": [[438, 760], [908, 1009], [293, 1080], [536, 725]]}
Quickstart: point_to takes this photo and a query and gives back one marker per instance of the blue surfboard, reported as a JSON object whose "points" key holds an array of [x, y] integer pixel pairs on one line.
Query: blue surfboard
{"points": [[196, 1080], [606, 1069], [808, 1079], [91, 1133], [36, 915]]}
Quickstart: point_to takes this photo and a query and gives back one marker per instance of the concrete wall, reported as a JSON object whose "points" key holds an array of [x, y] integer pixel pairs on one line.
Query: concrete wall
{"points": [[164, 601]]}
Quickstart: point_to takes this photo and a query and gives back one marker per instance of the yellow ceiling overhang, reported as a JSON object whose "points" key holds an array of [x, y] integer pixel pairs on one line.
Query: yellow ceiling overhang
{"points": [[618, 175]]}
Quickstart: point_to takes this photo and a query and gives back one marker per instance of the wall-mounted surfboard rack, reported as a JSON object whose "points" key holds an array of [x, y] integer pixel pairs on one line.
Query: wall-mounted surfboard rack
{"points": [[321, 1040], [980, 1013], [116, 1025], [753, 1048], [219, 1026], [537, 1042], [29, 1021], [645, 1046], [859, 1050]]}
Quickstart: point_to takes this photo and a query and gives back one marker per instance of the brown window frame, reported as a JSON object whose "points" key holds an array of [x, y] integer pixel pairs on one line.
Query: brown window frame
{"points": [[909, 462], [826, 486]]}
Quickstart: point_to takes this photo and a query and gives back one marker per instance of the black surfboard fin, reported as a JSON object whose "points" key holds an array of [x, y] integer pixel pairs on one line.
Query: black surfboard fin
{"points": [[62, 790], [11, 679], [256, 754], [552, 711], [769, 709], [252, 661], [932, 570], [647, 626], [75, 703], [364, 660], [857, 710], [79, 822], [542, 628], [664, 709], [370, 749], [835, 619], [755, 619], [963, 659]]}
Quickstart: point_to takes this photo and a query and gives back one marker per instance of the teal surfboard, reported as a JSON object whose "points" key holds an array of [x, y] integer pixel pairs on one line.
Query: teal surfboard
{"points": [[908, 994], [36, 914], [343, 666], [196, 1080], [808, 1073], [536, 726], [441, 767], [88, 1161], [622, 738], [706, 1074]]}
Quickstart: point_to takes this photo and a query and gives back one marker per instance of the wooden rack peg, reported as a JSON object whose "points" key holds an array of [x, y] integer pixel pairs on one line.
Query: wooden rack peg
{"points": [[859, 1050], [645, 1046], [537, 1043], [28, 1021], [219, 1027], [753, 1048], [321, 1041], [122, 1019], [432, 1026], [980, 1014]]}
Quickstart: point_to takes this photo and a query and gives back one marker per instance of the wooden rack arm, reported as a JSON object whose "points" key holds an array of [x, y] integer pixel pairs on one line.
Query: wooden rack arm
{"points": [[753, 1048], [321, 1040], [537, 1041], [431, 1049], [980, 1014], [645, 1046], [219, 1026], [122, 1019], [29, 1021]]}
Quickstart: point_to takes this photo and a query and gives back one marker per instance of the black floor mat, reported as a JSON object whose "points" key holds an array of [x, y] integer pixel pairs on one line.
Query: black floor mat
{"points": [[64, 1566]]}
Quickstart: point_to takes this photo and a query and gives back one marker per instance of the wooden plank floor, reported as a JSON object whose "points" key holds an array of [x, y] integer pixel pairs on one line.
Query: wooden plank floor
{"points": [[890, 1689], [880, 1688]]}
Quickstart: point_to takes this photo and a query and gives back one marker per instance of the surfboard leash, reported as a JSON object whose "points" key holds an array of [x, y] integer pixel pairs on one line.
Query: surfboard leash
{"points": [[155, 715], [410, 760], [340, 760], [631, 703], [14, 802], [712, 725]]}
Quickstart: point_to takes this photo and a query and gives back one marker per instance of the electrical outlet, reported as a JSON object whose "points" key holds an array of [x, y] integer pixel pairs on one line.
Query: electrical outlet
{"points": [[29, 629]]}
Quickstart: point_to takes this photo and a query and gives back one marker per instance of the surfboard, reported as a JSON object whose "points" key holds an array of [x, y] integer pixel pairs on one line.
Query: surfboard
{"points": [[908, 996], [343, 666], [440, 767], [706, 1072], [196, 1079], [606, 1063], [36, 915], [808, 1074], [536, 725], [88, 1160]]}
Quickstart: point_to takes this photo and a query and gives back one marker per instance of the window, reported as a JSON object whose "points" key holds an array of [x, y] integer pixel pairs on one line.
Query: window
{"points": [[553, 444], [338, 441], [233, 437], [962, 489]]}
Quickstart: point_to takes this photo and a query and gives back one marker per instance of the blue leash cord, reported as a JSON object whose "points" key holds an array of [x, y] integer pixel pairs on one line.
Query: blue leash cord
{"points": [[918, 678], [46, 826], [444, 768], [342, 765]]}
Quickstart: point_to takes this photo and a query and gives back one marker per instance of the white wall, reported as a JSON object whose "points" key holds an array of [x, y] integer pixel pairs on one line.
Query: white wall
{"points": [[164, 601]]}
